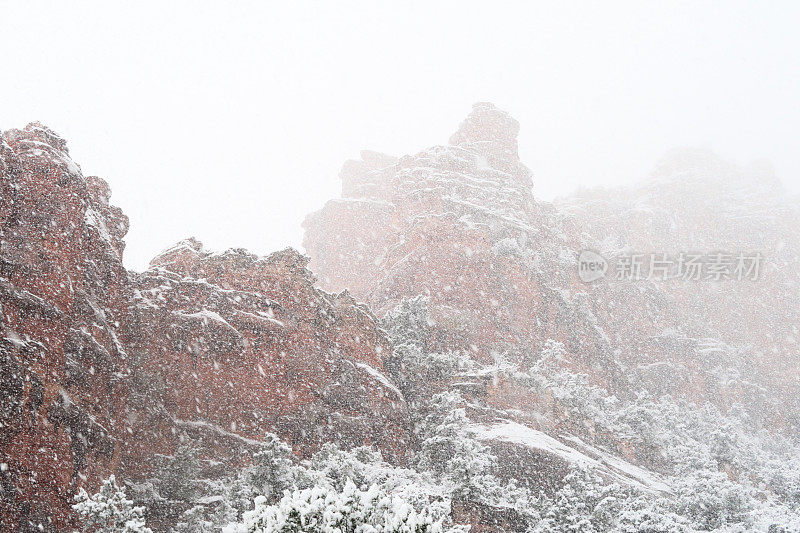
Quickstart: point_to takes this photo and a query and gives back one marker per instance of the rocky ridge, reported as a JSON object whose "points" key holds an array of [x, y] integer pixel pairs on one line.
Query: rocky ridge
{"points": [[108, 371], [103, 370], [459, 225]]}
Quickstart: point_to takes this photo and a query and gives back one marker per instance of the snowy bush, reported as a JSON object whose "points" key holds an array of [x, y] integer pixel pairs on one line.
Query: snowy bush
{"points": [[272, 470], [409, 323], [194, 520], [109, 511], [177, 478], [323, 510], [275, 473], [584, 503], [449, 449], [711, 501], [649, 515], [412, 366]]}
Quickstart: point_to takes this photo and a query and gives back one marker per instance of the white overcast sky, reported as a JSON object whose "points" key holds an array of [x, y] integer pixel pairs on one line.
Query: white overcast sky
{"points": [[229, 121]]}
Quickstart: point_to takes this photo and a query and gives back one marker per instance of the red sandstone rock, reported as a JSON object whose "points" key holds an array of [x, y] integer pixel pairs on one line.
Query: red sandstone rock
{"points": [[459, 224], [247, 344], [63, 293], [102, 369], [105, 368]]}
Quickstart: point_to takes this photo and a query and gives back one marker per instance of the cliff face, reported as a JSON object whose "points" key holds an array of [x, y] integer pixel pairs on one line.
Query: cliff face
{"points": [[103, 369], [446, 223], [63, 292], [249, 344], [459, 224], [695, 202]]}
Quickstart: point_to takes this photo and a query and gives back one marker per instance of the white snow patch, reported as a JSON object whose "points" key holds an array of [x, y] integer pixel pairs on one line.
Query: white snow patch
{"points": [[619, 469], [208, 316], [380, 377], [208, 426]]}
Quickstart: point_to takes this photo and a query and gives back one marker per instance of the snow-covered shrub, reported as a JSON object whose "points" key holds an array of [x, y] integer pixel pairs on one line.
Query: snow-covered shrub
{"points": [[412, 366], [271, 473], [272, 470], [465, 467], [361, 466], [194, 520], [109, 511], [448, 448], [650, 515], [409, 323], [330, 471], [177, 478], [585, 503], [711, 501], [783, 479], [321, 509]]}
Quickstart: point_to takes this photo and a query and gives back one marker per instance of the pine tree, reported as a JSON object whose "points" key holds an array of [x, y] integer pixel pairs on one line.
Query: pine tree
{"points": [[272, 470], [409, 323], [178, 478], [194, 521], [584, 504], [450, 450]]}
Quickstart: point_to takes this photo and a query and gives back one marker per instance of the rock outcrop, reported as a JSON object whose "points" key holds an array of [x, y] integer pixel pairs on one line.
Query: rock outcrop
{"points": [[696, 202], [64, 294], [102, 370], [459, 224], [445, 223], [249, 344]]}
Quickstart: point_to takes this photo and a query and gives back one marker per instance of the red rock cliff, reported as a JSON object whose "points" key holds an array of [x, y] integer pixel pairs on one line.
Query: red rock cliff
{"points": [[459, 224], [103, 369], [64, 294]]}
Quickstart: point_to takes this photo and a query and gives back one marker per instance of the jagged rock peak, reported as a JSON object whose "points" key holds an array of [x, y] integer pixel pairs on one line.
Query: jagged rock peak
{"points": [[188, 254], [40, 132], [488, 128], [191, 247]]}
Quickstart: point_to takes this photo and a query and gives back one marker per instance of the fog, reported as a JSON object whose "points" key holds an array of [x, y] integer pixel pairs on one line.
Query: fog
{"points": [[456, 267], [230, 122]]}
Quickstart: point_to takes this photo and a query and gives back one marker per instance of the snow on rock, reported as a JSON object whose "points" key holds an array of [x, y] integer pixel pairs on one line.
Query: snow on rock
{"points": [[103, 369], [380, 377], [459, 226], [578, 453], [464, 230], [63, 295], [249, 341], [428, 223]]}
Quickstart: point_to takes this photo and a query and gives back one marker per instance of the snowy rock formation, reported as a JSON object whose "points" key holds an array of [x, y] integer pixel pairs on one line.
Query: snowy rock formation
{"points": [[438, 363], [458, 224], [64, 294], [103, 370]]}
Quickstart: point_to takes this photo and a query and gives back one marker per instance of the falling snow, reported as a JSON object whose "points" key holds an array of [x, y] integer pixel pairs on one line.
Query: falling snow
{"points": [[435, 363]]}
